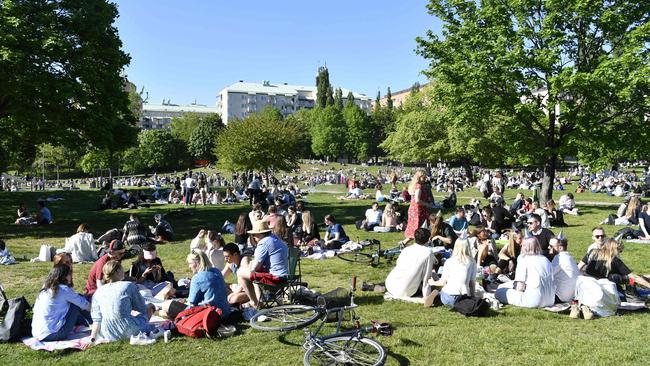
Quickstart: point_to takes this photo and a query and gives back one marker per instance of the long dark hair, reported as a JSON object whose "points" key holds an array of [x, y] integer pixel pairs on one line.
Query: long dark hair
{"points": [[243, 224], [57, 276]]}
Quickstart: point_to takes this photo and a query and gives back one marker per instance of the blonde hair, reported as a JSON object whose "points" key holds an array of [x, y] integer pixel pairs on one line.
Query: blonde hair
{"points": [[530, 246], [632, 206], [113, 271], [605, 253], [307, 219], [199, 256], [512, 243], [463, 251], [82, 228], [415, 180]]}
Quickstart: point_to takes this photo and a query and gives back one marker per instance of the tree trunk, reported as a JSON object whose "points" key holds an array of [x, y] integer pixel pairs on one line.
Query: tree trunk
{"points": [[550, 165], [468, 169]]}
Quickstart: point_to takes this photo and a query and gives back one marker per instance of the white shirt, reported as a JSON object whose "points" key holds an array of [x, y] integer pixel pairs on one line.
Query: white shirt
{"points": [[411, 272], [373, 217], [458, 276], [81, 247], [190, 182], [565, 274], [536, 272]]}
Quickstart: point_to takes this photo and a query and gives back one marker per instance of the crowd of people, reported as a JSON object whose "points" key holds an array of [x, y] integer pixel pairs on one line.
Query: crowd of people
{"points": [[446, 261]]}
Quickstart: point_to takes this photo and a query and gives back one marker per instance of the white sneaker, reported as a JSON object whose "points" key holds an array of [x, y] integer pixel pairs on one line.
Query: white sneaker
{"points": [[142, 340]]}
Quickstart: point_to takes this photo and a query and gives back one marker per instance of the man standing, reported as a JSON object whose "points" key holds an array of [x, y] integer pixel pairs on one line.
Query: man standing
{"points": [[544, 236], [413, 268], [270, 264], [190, 186]]}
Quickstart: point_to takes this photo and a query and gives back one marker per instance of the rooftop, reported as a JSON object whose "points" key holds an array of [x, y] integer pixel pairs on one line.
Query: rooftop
{"points": [[280, 89], [197, 108]]}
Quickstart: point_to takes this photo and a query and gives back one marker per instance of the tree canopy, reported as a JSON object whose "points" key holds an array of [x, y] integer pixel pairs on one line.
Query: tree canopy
{"points": [[563, 76], [328, 132], [259, 142], [202, 140], [61, 78]]}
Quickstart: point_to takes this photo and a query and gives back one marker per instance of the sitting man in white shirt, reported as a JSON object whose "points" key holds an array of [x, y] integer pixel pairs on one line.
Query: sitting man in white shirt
{"points": [[565, 270], [373, 217], [413, 268]]}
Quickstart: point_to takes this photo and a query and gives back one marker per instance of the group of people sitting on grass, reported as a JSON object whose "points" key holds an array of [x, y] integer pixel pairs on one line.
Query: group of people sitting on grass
{"points": [[118, 303], [533, 270], [43, 215]]}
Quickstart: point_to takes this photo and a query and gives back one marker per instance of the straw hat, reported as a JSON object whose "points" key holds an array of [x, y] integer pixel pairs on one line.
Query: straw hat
{"points": [[260, 227]]}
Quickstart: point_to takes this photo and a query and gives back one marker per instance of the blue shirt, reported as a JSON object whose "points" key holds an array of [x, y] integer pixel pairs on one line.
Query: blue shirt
{"points": [[46, 215], [209, 288], [458, 224], [273, 254], [49, 313], [337, 228]]}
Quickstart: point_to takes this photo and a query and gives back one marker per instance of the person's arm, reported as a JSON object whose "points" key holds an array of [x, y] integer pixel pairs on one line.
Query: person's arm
{"points": [[226, 270], [520, 276], [643, 227], [503, 253], [72, 297], [97, 318], [640, 280]]}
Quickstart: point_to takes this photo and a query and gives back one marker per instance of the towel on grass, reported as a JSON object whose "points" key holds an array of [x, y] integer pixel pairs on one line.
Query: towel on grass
{"points": [[80, 338]]}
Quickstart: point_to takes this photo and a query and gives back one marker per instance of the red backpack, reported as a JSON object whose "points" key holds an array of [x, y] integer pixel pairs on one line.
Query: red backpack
{"points": [[198, 321]]}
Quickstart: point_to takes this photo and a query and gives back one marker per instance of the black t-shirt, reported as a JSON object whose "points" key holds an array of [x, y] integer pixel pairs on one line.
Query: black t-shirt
{"points": [[502, 217], [597, 269], [544, 237], [646, 220], [448, 232], [241, 239]]}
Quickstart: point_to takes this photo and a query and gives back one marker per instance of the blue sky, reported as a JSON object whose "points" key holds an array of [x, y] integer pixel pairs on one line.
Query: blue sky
{"points": [[187, 50]]}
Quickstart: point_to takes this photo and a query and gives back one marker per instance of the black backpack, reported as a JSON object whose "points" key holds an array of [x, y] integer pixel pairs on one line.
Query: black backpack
{"points": [[471, 306], [14, 323]]}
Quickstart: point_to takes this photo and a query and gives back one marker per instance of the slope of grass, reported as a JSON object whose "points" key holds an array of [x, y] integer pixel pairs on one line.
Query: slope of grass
{"points": [[422, 336]]}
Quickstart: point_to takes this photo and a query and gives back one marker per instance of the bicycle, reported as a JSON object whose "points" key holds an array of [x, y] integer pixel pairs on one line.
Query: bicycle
{"points": [[349, 347], [373, 257]]}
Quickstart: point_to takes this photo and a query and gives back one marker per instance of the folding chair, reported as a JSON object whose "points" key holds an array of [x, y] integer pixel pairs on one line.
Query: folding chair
{"points": [[282, 293]]}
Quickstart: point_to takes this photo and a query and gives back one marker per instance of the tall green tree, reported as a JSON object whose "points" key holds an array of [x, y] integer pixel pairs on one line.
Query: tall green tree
{"points": [[572, 74], [202, 140], [338, 99], [323, 87], [330, 96], [157, 150], [358, 132], [61, 78], [183, 126], [389, 99], [328, 132], [260, 142], [349, 99], [414, 88]]}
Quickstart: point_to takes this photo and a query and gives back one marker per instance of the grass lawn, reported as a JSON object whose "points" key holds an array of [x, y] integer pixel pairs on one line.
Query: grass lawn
{"points": [[422, 336]]}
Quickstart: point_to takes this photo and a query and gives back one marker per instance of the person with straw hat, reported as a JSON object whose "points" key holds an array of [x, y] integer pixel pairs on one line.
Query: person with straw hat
{"points": [[270, 264]]}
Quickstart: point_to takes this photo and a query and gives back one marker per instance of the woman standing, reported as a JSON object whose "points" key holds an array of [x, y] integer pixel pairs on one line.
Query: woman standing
{"points": [[418, 210]]}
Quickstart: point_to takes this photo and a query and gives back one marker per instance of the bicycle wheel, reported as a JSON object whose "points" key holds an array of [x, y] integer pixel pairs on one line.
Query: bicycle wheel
{"points": [[285, 317], [342, 350], [356, 257]]}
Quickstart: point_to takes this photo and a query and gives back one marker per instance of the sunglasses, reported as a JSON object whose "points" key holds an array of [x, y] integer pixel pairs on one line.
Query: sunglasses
{"points": [[530, 222], [599, 236]]}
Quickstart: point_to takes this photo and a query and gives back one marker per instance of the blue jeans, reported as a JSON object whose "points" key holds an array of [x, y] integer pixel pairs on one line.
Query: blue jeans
{"points": [[501, 295], [75, 316], [448, 300]]}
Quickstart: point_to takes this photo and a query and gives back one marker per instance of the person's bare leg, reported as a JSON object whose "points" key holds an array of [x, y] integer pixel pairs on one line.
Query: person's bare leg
{"points": [[243, 278], [238, 298], [482, 253]]}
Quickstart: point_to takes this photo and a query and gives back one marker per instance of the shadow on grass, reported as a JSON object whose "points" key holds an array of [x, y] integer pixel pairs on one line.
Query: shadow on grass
{"points": [[370, 299], [401, 360]]}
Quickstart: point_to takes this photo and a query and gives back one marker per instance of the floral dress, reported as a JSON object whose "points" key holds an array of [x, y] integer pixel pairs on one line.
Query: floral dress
{"points": [[417, 214]]}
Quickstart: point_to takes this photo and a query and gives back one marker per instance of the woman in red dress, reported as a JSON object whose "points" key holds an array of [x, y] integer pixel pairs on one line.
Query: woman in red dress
{"points": [[419, 207]]}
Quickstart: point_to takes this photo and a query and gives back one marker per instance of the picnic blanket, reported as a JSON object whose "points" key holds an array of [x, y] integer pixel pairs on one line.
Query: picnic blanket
{"points": [[80, 338]]}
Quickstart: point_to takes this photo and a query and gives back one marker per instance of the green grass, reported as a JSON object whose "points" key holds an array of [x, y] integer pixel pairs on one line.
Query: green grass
{"points": [[422, 336]]}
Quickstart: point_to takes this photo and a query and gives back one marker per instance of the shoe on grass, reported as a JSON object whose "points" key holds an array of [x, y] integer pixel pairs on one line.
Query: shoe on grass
{"points": [[586, 312], [575, 312], [142, 340]]}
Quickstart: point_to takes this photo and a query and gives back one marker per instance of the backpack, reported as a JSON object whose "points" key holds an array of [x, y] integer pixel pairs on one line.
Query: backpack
{"points": [[628, 233], [198, 321], [471, 306], [13, 321]]}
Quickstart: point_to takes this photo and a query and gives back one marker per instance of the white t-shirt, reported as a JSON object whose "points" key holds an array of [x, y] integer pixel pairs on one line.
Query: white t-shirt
{"points": [[411, 272], [190, 182], [459, 276], [565, 274], [536, 272], [373, 217]]}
